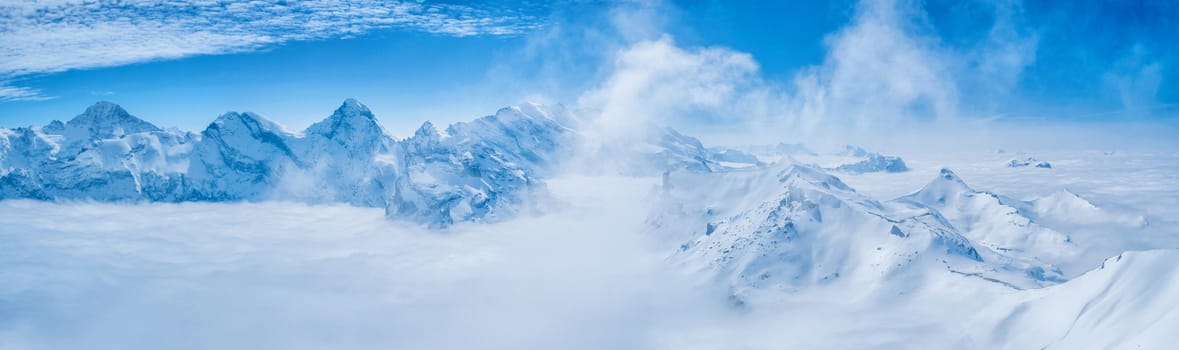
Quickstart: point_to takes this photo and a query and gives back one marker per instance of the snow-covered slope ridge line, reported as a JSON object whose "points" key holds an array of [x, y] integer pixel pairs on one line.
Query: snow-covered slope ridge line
{"points": [[482, 170], [1129, 302]]}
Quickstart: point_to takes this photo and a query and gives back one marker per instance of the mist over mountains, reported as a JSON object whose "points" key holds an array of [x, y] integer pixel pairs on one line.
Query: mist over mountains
{"points": [[764, 224]]}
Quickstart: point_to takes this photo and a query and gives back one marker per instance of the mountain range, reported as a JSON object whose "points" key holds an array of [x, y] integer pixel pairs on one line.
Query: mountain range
{"points": [[752, 226], [481, 170]]}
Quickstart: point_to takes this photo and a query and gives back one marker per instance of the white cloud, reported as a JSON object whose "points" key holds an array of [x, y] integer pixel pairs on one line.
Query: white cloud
{"points": [[21, 93], [1136, 79], [52, 36], [886, 72], [658, 81], [876, 73]]}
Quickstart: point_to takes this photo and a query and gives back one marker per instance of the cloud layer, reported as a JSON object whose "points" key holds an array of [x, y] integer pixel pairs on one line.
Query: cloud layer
{"points": [[54, 36], [282, 275]]}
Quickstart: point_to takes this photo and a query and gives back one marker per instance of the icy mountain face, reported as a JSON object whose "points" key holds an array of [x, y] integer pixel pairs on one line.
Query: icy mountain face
{"points": [[104, 153], [240, 156], [478, 171], [26, 148], [347, 157], [23, 151], [995, 221], [794, 226], [485, 170], [103, 120]]}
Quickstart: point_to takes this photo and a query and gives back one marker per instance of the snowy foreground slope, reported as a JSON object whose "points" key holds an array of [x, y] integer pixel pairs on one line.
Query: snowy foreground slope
{"points": [[120, 234]]}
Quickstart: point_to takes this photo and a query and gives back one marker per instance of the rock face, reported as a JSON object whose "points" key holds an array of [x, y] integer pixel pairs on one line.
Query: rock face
{"points": [[476, 171]]}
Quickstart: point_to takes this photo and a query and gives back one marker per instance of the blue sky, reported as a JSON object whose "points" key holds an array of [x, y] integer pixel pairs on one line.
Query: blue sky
{"points": [[179, 64]]}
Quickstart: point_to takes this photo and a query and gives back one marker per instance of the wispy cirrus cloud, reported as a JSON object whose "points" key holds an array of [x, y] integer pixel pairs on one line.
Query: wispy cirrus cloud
{"points": [[20, 93], [38, 37]]}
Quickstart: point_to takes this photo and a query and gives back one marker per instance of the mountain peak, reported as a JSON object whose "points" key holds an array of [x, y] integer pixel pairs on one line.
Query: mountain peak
{"points": [[104, 106], [795, 174], [947, 184], [351, 120], [428, 130], [949, 175], [106, 119], [254, 123], [352, 107], [948, 180]]}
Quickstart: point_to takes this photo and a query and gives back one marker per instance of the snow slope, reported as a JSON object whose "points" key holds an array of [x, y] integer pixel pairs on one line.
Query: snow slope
{"points": [[992, 220], [1129, 303]]}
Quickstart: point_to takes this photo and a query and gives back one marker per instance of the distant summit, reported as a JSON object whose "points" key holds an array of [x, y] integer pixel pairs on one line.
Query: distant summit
{"points": [[871, 162], [105, 120], [1029, 161]]}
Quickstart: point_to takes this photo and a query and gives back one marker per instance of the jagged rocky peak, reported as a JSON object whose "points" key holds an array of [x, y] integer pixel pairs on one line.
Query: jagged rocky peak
{"points": [[427, 130], [352, 107], [106, 120], [351, 125], [350, 116], [425, 139]]}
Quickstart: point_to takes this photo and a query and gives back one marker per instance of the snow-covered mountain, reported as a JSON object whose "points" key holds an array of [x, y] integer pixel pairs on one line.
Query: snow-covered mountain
{"points": [[794, 226], [992, 220], [483, 170], [104, 153], [101, 121], [476, 171]]}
